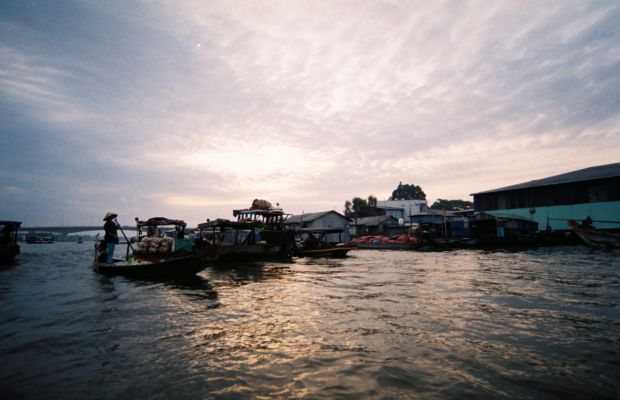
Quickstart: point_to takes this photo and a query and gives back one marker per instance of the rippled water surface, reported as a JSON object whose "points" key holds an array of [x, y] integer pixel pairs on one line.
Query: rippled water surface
{"points": [[539, 324]]}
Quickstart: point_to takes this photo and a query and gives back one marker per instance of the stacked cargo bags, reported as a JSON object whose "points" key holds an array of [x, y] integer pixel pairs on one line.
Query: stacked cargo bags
{"points": [[259, 204], [155, 245], [401, 239]]}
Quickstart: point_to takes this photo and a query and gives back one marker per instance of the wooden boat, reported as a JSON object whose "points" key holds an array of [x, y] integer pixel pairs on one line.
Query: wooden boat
{"points": [[170, 267], [314, 243], [161, 238], [257, 234], [9, 249], [40, 240], [154, 255], [595, 237]]}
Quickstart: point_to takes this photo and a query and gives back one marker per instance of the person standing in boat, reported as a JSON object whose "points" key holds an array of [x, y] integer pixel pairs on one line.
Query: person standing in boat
{"points": [[111, 235]]}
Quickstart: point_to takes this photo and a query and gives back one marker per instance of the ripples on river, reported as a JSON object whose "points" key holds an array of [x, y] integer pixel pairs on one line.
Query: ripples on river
{"points": [[449, 325]]}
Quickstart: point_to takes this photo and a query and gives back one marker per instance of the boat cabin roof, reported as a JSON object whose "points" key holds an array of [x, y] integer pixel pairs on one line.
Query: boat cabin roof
{"points": [[267, 216], [225, 223], [258, 211], [160, 221], [15, 224]]}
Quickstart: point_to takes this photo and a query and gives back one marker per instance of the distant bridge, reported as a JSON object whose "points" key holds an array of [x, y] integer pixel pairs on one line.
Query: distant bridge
{"points": [[65, 230]]}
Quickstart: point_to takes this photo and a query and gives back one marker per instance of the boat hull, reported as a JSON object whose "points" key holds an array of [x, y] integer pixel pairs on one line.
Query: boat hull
{"points": [[8, 253], [596, 238], [336, 252], [245, 252], [172, 267]]}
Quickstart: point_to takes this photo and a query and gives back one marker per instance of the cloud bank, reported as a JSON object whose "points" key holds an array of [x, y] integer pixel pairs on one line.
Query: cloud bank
{"points": [[189, 109]]}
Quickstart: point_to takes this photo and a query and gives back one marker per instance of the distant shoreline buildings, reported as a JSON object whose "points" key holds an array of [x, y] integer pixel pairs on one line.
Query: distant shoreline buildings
{"points": [[590, 192]]}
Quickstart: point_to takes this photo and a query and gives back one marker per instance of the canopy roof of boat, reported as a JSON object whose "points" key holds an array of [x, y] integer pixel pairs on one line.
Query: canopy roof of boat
{"points": [[226, 223], [15, 224], [259, 211], [160, 221]]}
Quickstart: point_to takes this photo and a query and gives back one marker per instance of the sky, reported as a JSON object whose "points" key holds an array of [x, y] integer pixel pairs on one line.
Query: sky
{"points": [[189, 109]]}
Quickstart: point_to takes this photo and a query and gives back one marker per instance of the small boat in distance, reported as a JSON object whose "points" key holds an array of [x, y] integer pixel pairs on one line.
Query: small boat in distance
{"points": [[596, 238], [40, 240], [9, 248], [314, 243]]}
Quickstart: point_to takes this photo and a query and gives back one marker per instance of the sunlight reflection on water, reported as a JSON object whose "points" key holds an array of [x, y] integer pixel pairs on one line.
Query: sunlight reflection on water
{"points": [[539, 323]]}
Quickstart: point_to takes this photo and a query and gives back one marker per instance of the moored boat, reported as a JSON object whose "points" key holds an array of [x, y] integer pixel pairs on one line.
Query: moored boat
{"points": [[314, 243], [9, 248], [594, 237], [257, 234], [40, 240]]}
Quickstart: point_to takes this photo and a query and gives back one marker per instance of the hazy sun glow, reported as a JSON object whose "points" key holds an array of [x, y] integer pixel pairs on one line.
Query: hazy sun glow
{"points": [[192, 108]]}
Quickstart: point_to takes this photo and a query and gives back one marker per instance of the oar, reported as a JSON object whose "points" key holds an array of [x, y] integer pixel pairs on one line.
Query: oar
{"points": [[125, 236]]}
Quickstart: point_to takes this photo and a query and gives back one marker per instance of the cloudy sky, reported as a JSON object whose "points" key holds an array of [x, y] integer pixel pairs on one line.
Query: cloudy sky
{"points": [[188, 109]]}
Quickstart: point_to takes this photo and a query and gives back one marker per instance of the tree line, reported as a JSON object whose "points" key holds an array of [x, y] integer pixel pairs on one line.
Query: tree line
{"points": [[359, 207]]}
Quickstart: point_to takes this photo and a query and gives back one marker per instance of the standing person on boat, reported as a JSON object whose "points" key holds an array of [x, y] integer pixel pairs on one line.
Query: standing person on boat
{"points": [[6, 233], [111, 235]]}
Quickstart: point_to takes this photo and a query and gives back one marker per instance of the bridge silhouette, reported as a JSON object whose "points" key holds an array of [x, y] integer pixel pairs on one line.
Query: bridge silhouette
{"points": [[65, 230]]}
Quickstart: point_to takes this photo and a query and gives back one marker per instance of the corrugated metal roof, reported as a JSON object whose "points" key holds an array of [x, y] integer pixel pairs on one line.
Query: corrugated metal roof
{"points": [[374, 221], [586, 174], [309, 217]]}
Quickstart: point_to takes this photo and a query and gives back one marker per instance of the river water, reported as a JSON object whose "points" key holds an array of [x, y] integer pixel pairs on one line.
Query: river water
{"points": [[538, 324]]}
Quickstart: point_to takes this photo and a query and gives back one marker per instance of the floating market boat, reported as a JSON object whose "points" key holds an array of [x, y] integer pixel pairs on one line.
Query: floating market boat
{"points": [[9, 248], [257, 234], [313, 243], [596, 238], [171, 267], [162, 252]]}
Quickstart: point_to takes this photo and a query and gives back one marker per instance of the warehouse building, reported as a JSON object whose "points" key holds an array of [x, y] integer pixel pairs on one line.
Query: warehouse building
{"points": [[591, 192]]}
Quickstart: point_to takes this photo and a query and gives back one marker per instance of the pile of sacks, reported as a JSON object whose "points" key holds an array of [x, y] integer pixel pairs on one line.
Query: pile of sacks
{"points": [[155, 245], [400, 239], [259, 204]]}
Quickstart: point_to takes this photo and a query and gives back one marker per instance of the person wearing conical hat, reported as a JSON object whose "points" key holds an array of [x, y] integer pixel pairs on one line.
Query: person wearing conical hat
{"points": [[111, 235]]}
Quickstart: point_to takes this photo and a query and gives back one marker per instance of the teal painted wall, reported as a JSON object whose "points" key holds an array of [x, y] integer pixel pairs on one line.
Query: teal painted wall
{"points": [[603, 211]]}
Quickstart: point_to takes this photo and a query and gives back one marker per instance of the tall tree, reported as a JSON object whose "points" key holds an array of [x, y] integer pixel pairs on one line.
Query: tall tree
{"points": [[359, 206], [452, 205], [347, 208], [372, 201], [408, 192]]}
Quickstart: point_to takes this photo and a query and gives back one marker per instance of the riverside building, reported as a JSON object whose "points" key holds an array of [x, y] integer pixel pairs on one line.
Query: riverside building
{"points": [[590, 192]]}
